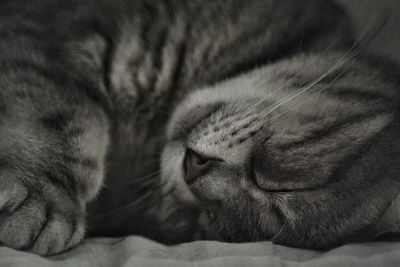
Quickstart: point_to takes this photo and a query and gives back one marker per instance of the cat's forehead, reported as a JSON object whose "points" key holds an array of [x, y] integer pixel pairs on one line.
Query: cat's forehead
{"points": [[231, 94]]}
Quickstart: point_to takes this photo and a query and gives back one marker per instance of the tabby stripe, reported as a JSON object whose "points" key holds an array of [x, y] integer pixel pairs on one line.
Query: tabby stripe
{"points": [[57, 121], [64, 181], [85, 162], [24, 88], [18, 22], [151, 9], [351, 93], [342, 92], [239, 44], [107, 60], [245, 126], [180, 55], [299, 81], [176, 77], [157, 55], [21, 32], [320, 134], [135, 64], [170, 8], [18, 65], [146, 25], [32, 10], [26, 80]]}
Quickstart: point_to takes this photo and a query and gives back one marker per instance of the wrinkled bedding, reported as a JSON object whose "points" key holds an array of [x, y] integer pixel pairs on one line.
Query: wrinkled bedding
{"points": [[137, 251]]}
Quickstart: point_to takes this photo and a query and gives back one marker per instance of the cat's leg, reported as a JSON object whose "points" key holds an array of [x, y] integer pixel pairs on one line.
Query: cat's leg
{"points": [[53, 142]]}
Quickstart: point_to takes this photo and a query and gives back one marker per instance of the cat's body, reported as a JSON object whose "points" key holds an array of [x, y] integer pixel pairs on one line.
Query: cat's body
{"points": [[88, 88]]}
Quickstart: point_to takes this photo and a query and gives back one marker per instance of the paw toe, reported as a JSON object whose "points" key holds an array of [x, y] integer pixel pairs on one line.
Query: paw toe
{"points": [[57, 235], [21, 225]]}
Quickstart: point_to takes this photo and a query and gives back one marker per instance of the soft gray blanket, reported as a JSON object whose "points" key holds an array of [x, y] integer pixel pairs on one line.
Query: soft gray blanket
{"points": [[137, 252]]}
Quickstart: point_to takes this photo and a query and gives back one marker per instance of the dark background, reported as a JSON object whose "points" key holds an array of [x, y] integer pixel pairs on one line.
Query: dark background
{"points": [[365, 13]]}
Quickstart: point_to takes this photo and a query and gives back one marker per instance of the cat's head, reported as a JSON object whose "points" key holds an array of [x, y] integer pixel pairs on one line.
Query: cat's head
{"points": [[296, 159]]}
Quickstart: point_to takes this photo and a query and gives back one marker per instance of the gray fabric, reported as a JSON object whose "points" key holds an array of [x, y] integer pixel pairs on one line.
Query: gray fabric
{"points": [[137, 251]]}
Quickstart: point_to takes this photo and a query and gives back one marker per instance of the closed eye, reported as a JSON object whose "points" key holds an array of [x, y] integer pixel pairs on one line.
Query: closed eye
{"points": [[253, 177]]}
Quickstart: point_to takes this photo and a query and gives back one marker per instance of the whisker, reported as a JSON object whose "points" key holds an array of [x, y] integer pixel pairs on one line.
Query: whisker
{"points": [[144, 178], [145, 198], [304, 89], [309, 64], [355, 53], [366, 36], [314, 95], [347, 57], [247, 112]]}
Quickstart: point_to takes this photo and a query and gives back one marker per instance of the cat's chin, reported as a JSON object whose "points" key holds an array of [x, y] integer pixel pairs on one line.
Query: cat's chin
{"points": [[184, 220], [181, 225]]}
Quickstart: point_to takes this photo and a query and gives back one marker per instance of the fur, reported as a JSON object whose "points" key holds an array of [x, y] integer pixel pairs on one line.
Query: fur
{"points": [[100, 101]]}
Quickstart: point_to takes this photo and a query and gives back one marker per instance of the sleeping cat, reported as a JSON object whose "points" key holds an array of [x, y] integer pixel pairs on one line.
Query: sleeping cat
{"points": [[202, 119]]}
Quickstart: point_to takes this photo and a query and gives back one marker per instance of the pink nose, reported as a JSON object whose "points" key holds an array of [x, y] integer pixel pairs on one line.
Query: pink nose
{"points": [[195, 166]]}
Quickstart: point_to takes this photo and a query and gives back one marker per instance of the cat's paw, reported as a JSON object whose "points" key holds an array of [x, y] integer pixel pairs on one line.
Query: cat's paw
{"points": [[44, 222]]}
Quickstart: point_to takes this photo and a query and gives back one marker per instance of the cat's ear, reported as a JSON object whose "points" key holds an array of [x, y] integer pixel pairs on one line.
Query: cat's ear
{"points": [[389, 224]]}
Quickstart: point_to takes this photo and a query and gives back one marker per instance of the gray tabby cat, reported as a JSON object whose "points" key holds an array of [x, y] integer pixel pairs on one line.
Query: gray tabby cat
{"points": [[165, 104]]}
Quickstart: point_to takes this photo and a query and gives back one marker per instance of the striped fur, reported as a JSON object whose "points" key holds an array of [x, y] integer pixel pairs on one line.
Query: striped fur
{"points": [[87, 89]]}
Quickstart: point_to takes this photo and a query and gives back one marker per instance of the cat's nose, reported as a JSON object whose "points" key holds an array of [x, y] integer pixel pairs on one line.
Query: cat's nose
{"points": [[195, 166]]}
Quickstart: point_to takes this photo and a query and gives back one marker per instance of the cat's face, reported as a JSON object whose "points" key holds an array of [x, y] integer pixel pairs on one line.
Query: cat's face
{"points": [[299, 172]]}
